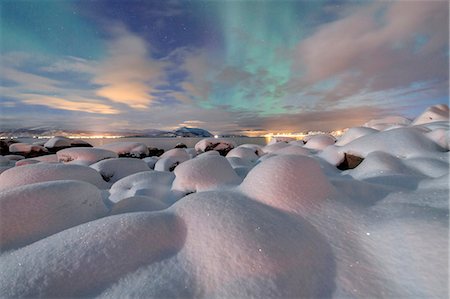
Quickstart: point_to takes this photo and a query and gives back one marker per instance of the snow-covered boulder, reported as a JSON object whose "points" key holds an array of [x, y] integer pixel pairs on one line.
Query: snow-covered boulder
{"points": [[14, 157], [433, 113], [43, 172], [115, 169], [256, 148], [204, 173], [127, 149], [319, 142], [83, 260], [177, 153], [4, 161], [191, 152], [354, 133], [32, 212], [292, 150], [137, 203], [402, 142], [222, 145], [441, 136], [243, 153], [379, 164], [27, 150], [84, 154], [27, 161], [57, 143], [276, 139], [154, 184], [151, 161], [170, 159], [275, 147], [291, 183], [388, 122], [169, 163], [236, 247], [53, 158]]}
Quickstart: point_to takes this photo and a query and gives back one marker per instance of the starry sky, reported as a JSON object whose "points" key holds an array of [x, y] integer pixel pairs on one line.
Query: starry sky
{"points": [[246, 67]]}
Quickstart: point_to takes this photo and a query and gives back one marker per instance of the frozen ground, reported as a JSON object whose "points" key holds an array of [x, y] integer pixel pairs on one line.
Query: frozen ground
{"points": [[363, 216]]}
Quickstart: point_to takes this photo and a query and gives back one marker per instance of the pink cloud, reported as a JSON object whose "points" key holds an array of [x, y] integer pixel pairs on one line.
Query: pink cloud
{"points": [[370, 51]]}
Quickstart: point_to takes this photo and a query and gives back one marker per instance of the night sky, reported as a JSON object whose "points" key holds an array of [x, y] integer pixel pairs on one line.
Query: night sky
{"points": [[246, 67]]}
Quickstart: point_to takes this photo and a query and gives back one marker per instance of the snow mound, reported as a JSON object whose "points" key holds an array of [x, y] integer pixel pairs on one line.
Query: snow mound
{"points": [[319, 142], [155, 184], [387, 122], [14, 157], [275, 139], [257, 149], [129, 149], [204, 173], [27, 162], [243, 153], [58, 141], [170, 159], [4, 161], [43, 172], [222, 145], [151, 161], [83, 260], [290, 183], [292, 150], [137, 204], [84, 154], [114, 169], [239, 162], [402, 142], [354, 133], [179, 153], [237, 247], [32, 212], [429, 166], [274, 147], [379, 164], [53, 158], [441, 136], [25, 148], [168, 164], [191, 152], [432, 114]]}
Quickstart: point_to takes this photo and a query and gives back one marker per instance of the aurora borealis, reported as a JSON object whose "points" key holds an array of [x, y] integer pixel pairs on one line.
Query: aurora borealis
{"points": [[245, 67]]}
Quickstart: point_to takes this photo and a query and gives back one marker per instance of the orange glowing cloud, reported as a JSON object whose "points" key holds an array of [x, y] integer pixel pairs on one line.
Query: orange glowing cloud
{"points": [[78, 105], [129, 74]]}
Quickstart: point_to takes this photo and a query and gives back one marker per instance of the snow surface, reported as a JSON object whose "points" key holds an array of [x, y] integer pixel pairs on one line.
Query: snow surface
{"points": [[319, 142], [280, 221], [154, 184], [204, 173], [216, 144], [58, 141], [115, 169], [43, 172], [86, 155], [133, 149], [26, 148], [32, 212]]}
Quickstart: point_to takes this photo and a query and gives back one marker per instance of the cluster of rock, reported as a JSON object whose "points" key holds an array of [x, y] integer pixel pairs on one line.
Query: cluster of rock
{"points": [[360, 216]]}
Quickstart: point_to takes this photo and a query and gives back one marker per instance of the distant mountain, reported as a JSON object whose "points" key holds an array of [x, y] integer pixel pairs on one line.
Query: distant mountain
{"points": [[192, 132], [49, 131]]}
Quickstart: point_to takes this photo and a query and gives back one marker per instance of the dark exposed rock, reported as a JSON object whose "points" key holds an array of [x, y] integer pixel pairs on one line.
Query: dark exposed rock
{"points": [[55, 149], [4, 146], [153, 151], [180, 145], [222, 151], [350, 162]]}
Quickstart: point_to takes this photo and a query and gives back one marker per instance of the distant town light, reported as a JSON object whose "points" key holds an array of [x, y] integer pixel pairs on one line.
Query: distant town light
{"points": [[216, 136]]}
